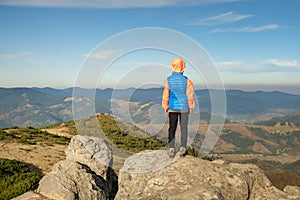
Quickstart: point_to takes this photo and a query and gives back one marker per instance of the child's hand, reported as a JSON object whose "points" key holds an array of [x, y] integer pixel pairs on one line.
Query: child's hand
{"points": [[167, 111]]}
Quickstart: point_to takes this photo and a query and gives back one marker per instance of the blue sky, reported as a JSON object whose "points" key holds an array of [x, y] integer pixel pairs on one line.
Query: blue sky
{"points": [[254, 43]]}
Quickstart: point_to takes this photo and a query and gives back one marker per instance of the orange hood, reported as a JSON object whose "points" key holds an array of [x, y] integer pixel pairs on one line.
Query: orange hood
{"points": [[178, 65]]}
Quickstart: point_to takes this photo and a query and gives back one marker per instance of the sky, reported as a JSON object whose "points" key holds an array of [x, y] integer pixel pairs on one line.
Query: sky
{"points": [[253, 44]]}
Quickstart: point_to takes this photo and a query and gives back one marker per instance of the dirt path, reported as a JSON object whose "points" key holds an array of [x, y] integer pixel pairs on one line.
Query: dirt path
{"points": [[61, 131]]}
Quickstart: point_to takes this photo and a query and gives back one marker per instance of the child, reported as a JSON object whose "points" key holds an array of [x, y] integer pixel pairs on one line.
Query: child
{"points": [[178, 102]]}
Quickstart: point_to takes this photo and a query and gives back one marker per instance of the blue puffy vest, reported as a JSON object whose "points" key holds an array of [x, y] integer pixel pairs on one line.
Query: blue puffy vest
{"points": [[178, 100]]}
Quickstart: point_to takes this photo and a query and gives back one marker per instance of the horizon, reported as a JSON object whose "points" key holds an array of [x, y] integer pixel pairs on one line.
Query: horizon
{"points": [[267, 89], [246, 42]]}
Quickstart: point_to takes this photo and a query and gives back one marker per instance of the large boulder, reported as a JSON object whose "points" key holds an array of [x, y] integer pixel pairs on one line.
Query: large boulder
{"points": [[91, 151], [152, 175], [85, 174], [71, 180]]}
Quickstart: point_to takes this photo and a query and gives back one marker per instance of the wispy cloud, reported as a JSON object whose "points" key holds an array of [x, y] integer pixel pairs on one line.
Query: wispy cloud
{"points": [[283, 63], [229, 65], [17, 55], [271, 65], [259, 28], [102, 55], [234, 66], [247, 29], [109, 4], [224, 18]]}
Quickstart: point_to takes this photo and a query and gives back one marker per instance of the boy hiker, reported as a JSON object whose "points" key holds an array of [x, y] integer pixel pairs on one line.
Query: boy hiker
{"points": [[178, 102]]}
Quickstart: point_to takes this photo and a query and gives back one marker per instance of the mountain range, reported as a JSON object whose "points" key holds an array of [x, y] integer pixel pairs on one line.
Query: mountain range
{"points": [[42, 106]]}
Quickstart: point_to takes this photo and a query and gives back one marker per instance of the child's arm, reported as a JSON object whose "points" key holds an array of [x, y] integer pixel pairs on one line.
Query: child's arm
{"points": [[165, 98], [190, 95]]}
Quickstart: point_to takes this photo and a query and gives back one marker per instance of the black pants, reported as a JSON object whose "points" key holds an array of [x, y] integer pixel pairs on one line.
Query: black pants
{"points": [[173, 121]]}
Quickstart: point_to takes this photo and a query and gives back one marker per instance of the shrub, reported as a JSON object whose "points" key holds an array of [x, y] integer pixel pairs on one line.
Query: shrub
{"points": [[16, 178]]}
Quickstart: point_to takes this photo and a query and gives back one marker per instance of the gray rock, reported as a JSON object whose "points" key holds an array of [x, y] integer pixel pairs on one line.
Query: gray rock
{"points": [[71, 180], [91, 151], [30, 195], [152, 175], [85, 174]]}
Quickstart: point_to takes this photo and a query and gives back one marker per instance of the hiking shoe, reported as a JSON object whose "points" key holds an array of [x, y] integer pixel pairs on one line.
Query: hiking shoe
{"points": [[171, 153], [183, 151]]}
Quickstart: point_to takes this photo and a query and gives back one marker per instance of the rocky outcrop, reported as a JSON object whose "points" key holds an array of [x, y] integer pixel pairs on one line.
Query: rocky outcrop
{"points": [[152, 175], [71, 180], [91, 151], [85, 173]]}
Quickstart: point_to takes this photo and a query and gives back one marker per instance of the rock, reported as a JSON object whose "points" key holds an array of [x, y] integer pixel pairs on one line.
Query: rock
{"points": [[152, 175], [30, 196], [85, 174], [261, 193], [71, 180], [292, 190], [91, 151], [219, 161]]}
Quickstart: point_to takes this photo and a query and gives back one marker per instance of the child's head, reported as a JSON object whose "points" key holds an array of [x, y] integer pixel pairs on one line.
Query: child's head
{"points": [[178, 65]]}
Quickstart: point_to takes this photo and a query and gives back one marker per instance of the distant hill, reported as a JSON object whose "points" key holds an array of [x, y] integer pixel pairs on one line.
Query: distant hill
{"points": [[290, 119], [42, 106], [241, 106], [38, 107], [238, 102], [25, 106]]}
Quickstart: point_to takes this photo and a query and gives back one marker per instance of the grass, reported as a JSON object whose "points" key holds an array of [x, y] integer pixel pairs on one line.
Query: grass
{"points": [[125, 140], [32, 136], [16, 178]]}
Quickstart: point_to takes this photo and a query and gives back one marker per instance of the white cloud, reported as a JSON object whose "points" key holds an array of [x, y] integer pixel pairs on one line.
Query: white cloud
{"points": [[284, 63], [271, 65], [222, 30], [259, 28], [102, 55], [229, 65], [224, 18], [238, 67], [109, 3], [17, 55], [247, 29]]}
